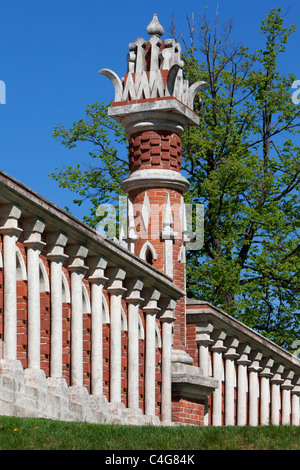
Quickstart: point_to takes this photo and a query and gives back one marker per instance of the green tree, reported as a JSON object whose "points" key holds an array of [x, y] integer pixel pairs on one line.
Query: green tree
{"points": [[99, 180], [243, 166]]}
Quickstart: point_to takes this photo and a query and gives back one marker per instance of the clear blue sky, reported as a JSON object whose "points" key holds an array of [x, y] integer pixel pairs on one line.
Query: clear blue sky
{"points": [[50, 53]]}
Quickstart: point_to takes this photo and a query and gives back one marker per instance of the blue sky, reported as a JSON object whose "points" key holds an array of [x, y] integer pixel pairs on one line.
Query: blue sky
{"points": [[50, 53]]}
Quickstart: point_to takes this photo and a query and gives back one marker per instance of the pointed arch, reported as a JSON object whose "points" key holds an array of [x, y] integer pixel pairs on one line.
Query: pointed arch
{"points": [[210, 367], [86, 304], [20, 266], [148, 252], [106, 315], [124, 325], [105, 311], [44, 279], [141, 328], [66, 297], [157, 337]]}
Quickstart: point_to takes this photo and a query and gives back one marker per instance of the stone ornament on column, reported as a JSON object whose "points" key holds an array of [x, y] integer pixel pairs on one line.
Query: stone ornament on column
{"points": [[151, 309], [164, 80], [9, 216], [167, 319]]}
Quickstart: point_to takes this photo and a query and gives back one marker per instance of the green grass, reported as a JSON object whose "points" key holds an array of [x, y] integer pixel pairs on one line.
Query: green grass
{"points": [[43, 434]]}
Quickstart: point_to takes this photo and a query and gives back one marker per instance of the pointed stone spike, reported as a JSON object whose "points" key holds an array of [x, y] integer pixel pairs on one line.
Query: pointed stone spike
{"points": [[116, 82], [155, 28]]}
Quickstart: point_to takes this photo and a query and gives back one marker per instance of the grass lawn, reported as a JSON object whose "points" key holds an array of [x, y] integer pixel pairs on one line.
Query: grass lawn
{"points": [[44, 434]]}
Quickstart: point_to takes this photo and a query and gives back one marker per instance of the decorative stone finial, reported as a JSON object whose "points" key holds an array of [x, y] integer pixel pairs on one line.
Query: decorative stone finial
{"points": [[155, 28], [154, 71]]}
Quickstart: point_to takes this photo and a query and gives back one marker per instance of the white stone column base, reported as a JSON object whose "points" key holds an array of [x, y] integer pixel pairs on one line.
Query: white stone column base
{"points": [[58, 398], [118, 414], [100, 408], [135, 417], [152, 420]]}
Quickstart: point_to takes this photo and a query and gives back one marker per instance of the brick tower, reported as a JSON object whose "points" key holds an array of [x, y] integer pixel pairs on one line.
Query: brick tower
{"points": [[154, 103]]}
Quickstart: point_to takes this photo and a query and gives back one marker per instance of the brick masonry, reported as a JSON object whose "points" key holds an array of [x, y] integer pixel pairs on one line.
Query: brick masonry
{"points": [[155, 149]]}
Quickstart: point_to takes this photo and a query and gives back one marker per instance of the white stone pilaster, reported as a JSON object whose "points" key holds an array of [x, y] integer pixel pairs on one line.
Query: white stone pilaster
{"points": [[253, 370], [150, 309], [230, 357], [116, 277], [265, 396], [33, 228], [56, 243], [96, 264], [286, 388], [217, 350], [133, 300], [77, 254], [296, 402], [166, 318], [204, 341], [242, 387], [9, 215], [276, 382]]}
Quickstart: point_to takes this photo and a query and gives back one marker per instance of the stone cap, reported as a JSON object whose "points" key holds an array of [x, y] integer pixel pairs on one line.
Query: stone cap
{"points": [[154, 81]]}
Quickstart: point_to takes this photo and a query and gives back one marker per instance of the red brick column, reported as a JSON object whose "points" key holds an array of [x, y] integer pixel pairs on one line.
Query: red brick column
{"points": [[159, 150], [155, 149]]}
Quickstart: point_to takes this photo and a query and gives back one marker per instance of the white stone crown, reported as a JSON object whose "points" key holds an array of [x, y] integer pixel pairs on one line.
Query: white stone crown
{"points": [[161, 76]]}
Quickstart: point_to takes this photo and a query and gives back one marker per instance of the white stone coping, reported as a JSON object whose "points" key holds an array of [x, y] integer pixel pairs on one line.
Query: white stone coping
{"points": [[155, 178], [189, 382], [164, 110], [198, 311]]}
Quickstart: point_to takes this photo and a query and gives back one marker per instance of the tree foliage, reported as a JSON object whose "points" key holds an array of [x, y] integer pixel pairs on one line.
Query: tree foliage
{"points": [[99, 181], [243, 165]]}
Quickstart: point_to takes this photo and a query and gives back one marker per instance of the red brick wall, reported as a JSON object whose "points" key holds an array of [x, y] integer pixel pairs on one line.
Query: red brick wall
{"points": [[191, 346], [188, 411]]}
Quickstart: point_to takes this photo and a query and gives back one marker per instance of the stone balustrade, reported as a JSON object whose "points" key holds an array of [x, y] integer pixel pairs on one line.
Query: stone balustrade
{"points": [[259, 382], [109, 289]]}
